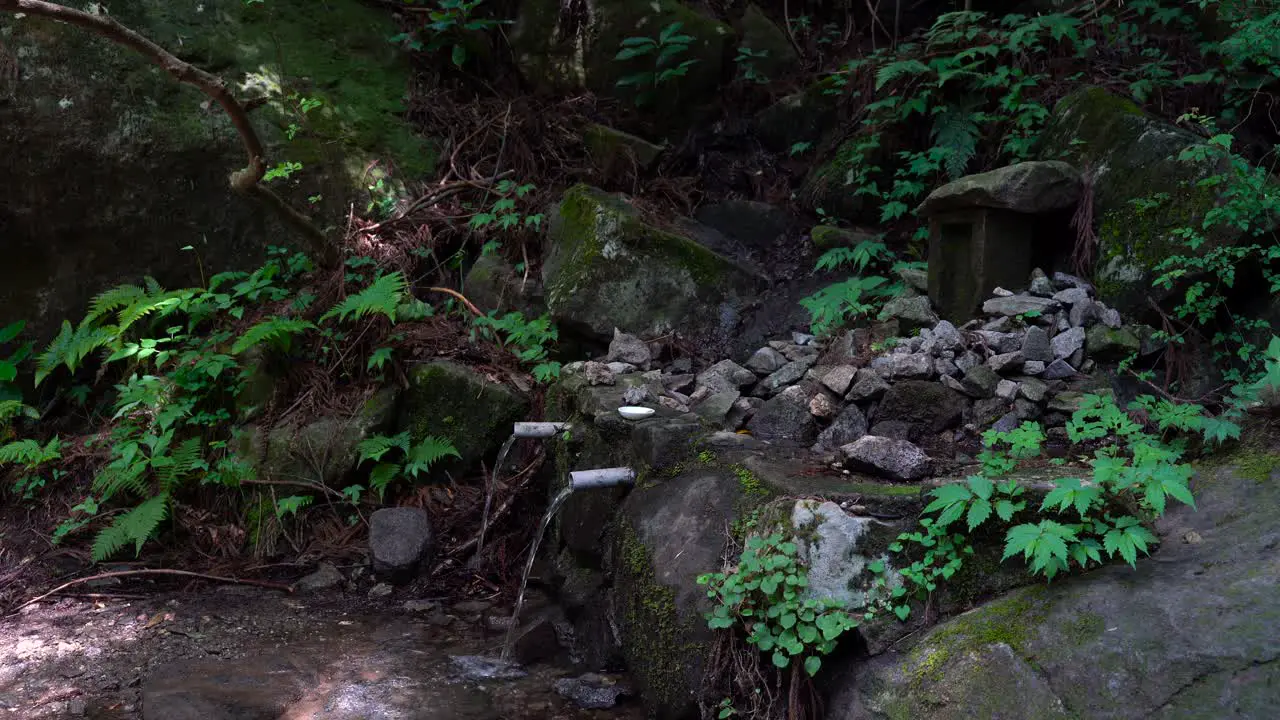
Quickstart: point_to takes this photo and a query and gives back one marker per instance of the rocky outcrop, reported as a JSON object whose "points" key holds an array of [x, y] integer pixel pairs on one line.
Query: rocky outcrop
{"points": [[1132, 155], [772, 55], [452, 401], [561, 47], [323, 449], [606, 268], [800, 118], [1190, 633], [140, 162], [617, 154]]}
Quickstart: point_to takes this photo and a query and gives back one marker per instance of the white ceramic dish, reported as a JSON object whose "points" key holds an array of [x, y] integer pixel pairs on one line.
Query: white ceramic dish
{"points": [[633, 412]]}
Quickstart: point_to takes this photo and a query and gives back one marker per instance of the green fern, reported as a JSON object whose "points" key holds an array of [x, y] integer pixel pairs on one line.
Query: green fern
{"points": [[29, 453], [121, 476], [118, 297], [426, 453], [174, 467], [159, 304], [131, 303], [71, 347], [956, 133], [897, 69], [382, 476], [833, 305], [276, 331], [375, 447], [383, 297], [136, 526], [10, 409]]}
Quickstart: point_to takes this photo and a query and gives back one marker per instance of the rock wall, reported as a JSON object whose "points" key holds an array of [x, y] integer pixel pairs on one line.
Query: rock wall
{"points": [[112, 167], [1190, 633]]}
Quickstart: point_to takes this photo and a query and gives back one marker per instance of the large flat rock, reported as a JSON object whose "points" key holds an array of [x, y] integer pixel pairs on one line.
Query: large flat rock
{"points": [[1191, 633]]}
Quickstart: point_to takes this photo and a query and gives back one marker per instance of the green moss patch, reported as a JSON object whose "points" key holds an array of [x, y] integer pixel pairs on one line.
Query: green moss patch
{"points": [[453, 402], [657, 646], [607, 268], [1094, 129]]}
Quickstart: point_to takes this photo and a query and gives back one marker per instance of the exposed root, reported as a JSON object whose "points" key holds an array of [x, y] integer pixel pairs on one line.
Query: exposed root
{"points": [[180, 573]]}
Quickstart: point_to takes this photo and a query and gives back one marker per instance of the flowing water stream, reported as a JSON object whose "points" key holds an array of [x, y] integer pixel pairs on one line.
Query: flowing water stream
{"points": [[488, 497], [552, 509]]}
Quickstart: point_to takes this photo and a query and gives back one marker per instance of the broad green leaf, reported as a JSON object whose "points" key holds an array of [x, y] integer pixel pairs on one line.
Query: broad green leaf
{"points": [[979, 511], [812, 664]]}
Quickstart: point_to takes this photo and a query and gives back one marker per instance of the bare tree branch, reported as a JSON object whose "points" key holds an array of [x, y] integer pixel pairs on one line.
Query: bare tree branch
{"points": [[246, 181]]}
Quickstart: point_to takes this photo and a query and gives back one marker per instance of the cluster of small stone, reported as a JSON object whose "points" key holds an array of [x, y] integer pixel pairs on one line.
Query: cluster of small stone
{"points": [[1027, 358]]}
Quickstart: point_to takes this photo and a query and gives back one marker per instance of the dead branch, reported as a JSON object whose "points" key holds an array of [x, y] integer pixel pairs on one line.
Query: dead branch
{"points": [[470, 306], [246, 181], [180, 573]]}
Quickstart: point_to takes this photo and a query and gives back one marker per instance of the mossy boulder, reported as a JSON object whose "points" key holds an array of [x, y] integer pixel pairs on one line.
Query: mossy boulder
{"points": [[492, 283], [669, 535], [826, 186], [1190, 633], [616, 154], [827, 237], [773, 54], [454, 402], [802, 117], [1133, 157], [565, 47], [607, 268], [322, 450], [112, 166]]}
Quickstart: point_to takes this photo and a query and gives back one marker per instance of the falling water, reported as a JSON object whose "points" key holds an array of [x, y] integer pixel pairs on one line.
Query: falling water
{"points": [[552, 509], [488, 497]]}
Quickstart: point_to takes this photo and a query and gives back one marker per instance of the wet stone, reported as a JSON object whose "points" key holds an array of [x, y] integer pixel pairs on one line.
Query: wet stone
{"points": [[591, 691]]}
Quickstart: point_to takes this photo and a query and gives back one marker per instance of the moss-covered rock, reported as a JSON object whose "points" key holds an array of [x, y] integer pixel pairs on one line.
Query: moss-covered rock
{"points": [[1134, 156], [773, 54], [826, 237], [454, 402], [826, 186], [565, 47], [802, 117], [322, 450], [1191, 635], [617, 153], [104, 151], [606, 268], [670, 534], [1106, 344], [493, 284]]}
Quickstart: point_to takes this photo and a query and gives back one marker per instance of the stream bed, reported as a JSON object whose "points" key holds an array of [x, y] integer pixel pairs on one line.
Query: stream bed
{"points": [[239, 653]]}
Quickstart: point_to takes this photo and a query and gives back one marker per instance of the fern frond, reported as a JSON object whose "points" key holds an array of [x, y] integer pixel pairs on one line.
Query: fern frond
{"points": [[174, 467], [10, 409], [120, 296], [383, 296], [277, 331], [375, 447], [897, 69], [120, 476], [381, 477], [136, 526], [29, 453], [948, 24], [71, 347], [426, 453], [956, 132], [160, 304]]}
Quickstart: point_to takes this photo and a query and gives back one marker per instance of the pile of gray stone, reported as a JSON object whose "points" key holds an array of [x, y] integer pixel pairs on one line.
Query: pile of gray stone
{"points": [[928, 382]]}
